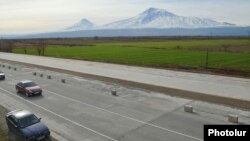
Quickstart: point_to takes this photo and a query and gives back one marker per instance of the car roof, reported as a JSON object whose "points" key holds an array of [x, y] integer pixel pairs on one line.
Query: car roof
{"points": [[26, 81], [19, 113]]}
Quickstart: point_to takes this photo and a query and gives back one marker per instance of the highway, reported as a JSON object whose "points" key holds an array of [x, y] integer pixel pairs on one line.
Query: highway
{"points": [[184, 84], [85, 110]]}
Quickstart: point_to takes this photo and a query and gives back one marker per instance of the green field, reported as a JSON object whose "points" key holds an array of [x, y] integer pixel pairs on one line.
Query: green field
{"points": [[222, 53]]}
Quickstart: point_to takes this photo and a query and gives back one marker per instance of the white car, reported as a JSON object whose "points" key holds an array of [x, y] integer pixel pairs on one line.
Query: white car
{"points": [[2, 76]]}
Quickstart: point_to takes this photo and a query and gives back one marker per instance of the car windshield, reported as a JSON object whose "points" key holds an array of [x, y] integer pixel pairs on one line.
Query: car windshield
{"points": [[28, 121], [29, 84]]}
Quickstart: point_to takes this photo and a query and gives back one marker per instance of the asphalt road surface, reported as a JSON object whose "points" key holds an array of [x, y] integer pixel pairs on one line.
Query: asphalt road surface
{"points": [[85, 110]]}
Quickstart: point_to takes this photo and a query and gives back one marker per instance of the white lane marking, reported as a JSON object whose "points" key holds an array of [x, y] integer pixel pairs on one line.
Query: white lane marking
{"points": [[78, 124], [146, 123]]}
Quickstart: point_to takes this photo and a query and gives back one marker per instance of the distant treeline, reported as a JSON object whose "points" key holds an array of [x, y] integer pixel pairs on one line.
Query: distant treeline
{"points": [[6, 45], [88, 41]]}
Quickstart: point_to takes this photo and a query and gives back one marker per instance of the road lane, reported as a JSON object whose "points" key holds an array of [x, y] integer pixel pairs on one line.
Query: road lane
{"points": [[119, 128], [51, 112]]}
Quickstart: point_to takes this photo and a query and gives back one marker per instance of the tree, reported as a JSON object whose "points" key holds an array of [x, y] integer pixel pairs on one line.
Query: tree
{"points": [[6, 45], [38, 51], [41, 47], [24, 50]]}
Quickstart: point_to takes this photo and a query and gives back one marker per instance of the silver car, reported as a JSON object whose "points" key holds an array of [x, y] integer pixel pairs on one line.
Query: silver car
{"points": [[2, 76]]}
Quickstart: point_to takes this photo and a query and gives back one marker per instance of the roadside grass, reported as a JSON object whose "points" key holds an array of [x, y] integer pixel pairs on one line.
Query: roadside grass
{"points": [[3, 127], [163, 54], [3, 136]]}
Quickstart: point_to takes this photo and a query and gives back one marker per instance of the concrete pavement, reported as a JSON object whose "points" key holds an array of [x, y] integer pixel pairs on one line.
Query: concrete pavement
{"points": [[220, 89]]}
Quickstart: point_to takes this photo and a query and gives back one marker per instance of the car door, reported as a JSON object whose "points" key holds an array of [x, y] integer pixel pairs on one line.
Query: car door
{"points": [[18, 87], [21, 88], [12, 124], [14, 127]]}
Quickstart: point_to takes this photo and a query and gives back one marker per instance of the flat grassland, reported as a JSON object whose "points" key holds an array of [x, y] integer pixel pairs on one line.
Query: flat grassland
{"points": [[226, 54]]}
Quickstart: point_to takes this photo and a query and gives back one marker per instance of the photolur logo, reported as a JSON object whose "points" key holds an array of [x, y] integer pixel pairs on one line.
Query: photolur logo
{"points": [[226, 132], [214, 132]]}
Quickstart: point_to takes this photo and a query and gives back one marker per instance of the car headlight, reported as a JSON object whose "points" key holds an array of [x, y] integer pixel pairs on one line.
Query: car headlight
{"points": [[31, 138], [29, 91], [46, 132]]}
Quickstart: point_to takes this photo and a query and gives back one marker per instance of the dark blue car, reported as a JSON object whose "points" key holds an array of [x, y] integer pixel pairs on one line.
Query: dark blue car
{"points": [[27, 126]]}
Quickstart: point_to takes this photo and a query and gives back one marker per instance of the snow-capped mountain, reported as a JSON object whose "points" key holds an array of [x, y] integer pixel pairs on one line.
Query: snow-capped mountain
{"points": [[152, 18], [160, 18], [152, 22], [83, 24]]}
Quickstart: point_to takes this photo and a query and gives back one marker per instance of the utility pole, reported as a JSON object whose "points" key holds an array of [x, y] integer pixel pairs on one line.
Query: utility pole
{"points": [[248, 35], [211, 35], [206, 65]]}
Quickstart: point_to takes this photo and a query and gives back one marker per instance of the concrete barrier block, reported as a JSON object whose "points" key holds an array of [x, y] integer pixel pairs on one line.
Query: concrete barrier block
{"points": [[63, 81], [49, 77], [188, 108], [233, 118], [114, 93]]}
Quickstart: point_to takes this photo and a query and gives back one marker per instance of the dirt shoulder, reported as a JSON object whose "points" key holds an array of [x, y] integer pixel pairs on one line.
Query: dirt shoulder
{"points": [[3, 126]]}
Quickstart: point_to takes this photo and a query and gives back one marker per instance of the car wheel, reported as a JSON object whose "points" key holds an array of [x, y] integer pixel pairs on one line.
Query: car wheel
{"points": [[27, 94]]}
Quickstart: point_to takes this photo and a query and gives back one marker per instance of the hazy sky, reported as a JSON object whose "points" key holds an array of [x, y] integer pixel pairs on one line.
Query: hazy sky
{"points": [[27, 16]]}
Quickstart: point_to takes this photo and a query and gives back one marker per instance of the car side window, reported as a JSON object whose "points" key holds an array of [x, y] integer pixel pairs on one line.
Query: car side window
{"points": [[20, 84], [13, 120]]}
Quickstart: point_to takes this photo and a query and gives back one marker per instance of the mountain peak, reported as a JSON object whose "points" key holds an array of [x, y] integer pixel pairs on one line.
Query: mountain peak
{"points": [[84, 21], [152, 9], [81, 25], [157, 11], [153, 14]]}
